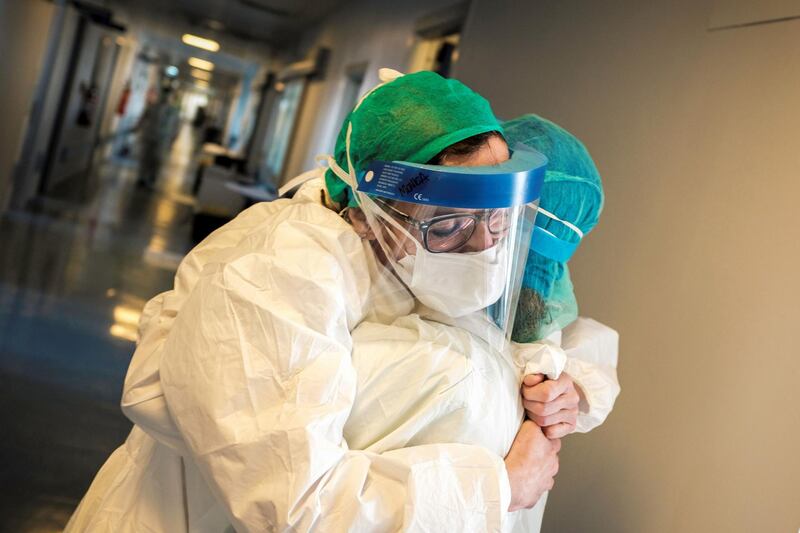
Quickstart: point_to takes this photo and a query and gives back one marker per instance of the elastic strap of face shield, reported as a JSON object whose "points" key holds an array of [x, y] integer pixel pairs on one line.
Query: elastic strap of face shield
{"points": [[546, 244], [375, 212], [386, 75], [349, 176]]}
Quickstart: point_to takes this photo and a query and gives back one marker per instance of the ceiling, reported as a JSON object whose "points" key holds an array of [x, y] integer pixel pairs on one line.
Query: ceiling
{"points": [[273, 22]]}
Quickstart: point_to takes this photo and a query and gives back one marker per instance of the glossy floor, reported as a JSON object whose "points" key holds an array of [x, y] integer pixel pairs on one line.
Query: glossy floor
{"points": [[73, 280]]}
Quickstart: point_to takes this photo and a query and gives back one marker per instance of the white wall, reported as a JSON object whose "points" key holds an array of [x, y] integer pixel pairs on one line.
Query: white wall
{"points": [[378, 33], [695, 261], [24, 26], [128, 47]]}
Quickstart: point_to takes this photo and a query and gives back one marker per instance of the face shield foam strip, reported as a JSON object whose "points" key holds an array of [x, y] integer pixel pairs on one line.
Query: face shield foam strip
{"points": [[548, 245], [517, 181]]}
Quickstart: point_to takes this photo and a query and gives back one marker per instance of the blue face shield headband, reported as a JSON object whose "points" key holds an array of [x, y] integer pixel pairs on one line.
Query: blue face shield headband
{"points": [[463, 263], [517, 181]]}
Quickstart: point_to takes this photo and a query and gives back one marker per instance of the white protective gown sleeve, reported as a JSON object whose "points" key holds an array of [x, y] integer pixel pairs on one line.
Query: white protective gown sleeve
{"points": [[591, 349], [587, 351], [257, 375], [142, 398]]}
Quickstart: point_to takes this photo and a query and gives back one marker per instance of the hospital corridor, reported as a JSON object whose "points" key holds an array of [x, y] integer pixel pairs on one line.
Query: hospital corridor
{"points": [[78, 277], [368, 266]]}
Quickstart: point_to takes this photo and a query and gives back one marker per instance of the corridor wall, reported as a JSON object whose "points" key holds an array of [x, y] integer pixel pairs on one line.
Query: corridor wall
{"points": [[24, 25], [695, 258]]}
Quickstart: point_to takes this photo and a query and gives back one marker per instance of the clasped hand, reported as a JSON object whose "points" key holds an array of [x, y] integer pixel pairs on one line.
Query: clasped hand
{"points": [[532, 463], [552, 404]]}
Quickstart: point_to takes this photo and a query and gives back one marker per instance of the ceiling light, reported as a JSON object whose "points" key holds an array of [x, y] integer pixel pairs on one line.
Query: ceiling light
{"points": [[201, 83], [201, 63], [199, 42], [201, 74]]}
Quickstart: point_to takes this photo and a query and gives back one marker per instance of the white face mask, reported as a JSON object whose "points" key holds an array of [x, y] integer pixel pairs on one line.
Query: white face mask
{"points": [[455, 284]]}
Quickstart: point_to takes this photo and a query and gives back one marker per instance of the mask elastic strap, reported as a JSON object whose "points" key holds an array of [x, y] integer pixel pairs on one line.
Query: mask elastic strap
{"points": [[339, 171], [350, 170], [570, 225], [349, 176], [545, 243], [379, 213], [386, 75], [379, 220]]}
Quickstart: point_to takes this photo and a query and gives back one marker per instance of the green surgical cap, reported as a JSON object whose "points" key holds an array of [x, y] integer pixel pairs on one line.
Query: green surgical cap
{"points": [[411, 118], [573, 192]]}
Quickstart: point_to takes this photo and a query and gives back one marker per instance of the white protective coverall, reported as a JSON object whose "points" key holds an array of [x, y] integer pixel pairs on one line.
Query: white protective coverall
{"points": [[285, 384]]}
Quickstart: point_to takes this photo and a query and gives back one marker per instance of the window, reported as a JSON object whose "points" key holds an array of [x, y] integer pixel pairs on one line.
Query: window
{"points": [[281, 126]]}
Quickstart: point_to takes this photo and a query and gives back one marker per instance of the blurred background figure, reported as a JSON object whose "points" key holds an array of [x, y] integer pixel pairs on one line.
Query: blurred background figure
{"points": [[199, 120], [158, 128], [689, 108]]}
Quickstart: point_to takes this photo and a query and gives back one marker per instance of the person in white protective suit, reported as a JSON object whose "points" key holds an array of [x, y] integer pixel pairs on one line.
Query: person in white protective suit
{"points": [[318, 371]]}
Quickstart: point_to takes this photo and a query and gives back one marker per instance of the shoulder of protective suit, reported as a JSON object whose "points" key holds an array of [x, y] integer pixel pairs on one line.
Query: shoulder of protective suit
{"points": [[598, 342], [286, 241], [301, 228], [255, 227], [311, 188], [301, 253]]}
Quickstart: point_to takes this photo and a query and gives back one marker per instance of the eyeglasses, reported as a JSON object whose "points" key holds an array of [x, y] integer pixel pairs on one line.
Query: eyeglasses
{"points": [[445, 233]]}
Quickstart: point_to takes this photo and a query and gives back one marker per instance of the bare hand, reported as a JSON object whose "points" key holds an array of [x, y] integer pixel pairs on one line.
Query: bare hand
{"points": [[532, 463], [551, 404]]}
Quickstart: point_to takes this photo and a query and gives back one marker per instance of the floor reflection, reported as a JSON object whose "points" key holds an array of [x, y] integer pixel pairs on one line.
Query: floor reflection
{"points": [[73, 281]]}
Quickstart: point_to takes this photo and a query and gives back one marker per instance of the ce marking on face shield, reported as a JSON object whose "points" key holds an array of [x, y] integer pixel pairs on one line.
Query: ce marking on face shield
{"points": [[418, 196]]}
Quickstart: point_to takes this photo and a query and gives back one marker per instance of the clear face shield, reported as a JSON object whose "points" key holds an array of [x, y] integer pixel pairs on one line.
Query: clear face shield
{"points": [[457, 237]]}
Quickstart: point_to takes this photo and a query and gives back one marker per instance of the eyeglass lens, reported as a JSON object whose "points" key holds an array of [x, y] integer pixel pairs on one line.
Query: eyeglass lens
{"points": [[450, 233]]}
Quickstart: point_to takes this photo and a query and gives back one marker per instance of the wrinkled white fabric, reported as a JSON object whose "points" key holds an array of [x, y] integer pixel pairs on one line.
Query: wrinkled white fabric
{"points": [[592, 349], [545, 357], [281, 385], [587, 352]]}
